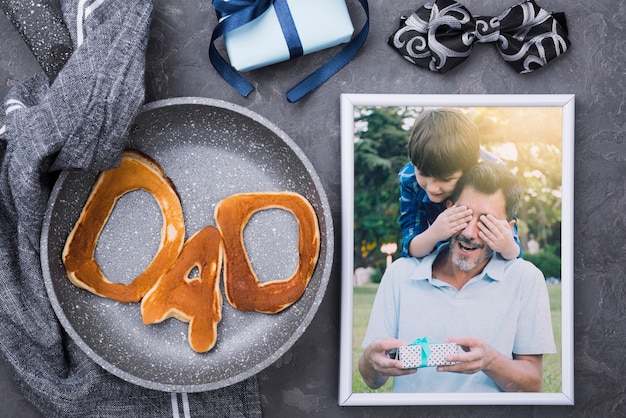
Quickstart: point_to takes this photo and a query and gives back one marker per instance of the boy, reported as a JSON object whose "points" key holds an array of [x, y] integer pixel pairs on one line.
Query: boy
{"points": [[444, 143]]}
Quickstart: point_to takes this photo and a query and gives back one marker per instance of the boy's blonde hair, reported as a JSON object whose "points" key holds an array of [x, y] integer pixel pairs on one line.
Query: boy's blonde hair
{"points": [[443, 141]]}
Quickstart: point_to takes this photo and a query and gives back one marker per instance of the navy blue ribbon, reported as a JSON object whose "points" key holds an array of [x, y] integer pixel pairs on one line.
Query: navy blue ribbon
{"points": [[289, 28], [240, 12]]}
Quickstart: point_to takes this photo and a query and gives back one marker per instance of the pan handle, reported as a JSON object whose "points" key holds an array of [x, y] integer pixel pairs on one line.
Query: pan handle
{"points": [[43, 30]]}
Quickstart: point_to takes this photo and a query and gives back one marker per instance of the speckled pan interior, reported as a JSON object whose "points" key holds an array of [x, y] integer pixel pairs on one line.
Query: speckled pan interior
{"points": [[210, 149]]}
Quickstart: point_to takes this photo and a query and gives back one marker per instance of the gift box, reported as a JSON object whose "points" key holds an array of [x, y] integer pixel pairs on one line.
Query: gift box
{"points": [[426, 354], [320, 24]]}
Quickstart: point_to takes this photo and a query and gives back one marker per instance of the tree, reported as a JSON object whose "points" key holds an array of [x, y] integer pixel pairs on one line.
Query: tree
{"points": [[529, 142], [380, 150]]}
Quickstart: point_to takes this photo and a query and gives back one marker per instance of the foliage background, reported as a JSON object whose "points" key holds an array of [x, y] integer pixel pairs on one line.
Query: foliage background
{"points": [[527, 139]]}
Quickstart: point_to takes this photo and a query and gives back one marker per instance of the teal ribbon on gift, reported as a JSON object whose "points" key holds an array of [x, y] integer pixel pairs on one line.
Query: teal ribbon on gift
{"points": [[425, 344], [240, 12]]}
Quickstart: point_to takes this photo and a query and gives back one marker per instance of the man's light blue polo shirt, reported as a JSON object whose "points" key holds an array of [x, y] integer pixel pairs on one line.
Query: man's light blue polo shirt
{"points": [[506, 306]]}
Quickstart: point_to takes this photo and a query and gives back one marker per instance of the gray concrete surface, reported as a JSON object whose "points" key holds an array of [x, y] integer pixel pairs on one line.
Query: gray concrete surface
{"points": [[304, 382]]}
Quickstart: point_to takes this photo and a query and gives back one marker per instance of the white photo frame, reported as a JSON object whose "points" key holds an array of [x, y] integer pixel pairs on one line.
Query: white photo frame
{"points": [[351, 103]]}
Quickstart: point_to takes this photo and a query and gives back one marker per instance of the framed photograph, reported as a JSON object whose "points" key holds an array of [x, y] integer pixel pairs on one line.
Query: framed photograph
{"points": [[533, 136]]}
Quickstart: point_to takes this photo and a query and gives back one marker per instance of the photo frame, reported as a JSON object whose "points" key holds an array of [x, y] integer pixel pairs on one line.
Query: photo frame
{"points": [[552, 111]]}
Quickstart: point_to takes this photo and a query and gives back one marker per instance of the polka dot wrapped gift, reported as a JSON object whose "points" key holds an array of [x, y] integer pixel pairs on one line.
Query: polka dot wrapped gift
{"points": [[422, 353]]}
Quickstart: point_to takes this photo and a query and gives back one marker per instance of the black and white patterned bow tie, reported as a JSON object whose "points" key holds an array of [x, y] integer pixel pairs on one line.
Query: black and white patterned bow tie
{"points": [[441, 34]]}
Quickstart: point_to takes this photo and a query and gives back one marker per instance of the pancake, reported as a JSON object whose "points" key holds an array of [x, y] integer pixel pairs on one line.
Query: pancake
{"points": [[136, 171], [196, 300], [242, 287]]}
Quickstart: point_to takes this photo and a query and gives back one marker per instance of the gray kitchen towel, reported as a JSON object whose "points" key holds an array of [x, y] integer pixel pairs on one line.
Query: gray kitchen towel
{"points": [[80, 121]]}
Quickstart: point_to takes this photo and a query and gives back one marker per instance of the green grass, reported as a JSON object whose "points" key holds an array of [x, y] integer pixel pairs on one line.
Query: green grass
{"points": [[363, 300], [552, 379], [364, 297]]}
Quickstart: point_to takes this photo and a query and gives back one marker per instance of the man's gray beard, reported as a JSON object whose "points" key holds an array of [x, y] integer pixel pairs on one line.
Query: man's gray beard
{"points": [[463, 264]]}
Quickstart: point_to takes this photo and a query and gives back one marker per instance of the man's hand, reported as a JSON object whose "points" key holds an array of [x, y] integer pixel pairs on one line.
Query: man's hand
{"points": [[451, 221], [375, 364], [522, 373], [498, 235], [476, 356]]}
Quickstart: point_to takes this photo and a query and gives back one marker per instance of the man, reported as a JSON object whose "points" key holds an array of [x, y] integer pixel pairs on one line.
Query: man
{"points": [[497, 310]]}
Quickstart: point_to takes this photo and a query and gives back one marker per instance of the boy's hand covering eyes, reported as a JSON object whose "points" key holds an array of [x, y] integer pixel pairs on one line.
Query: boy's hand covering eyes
{"points": [[497, 234], [451, 221]]}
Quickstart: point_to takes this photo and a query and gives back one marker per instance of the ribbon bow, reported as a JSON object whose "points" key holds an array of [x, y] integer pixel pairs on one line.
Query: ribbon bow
{"points": [[440, 35], [236, 13], [424, 343]]}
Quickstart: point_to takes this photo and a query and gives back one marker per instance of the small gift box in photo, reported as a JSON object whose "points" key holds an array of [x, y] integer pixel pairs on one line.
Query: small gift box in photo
{"points": [[426, 354], [319, 24], [410, 356]]}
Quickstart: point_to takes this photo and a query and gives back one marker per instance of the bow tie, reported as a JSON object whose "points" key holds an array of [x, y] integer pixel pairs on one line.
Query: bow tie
{"points": [[440, 35]]}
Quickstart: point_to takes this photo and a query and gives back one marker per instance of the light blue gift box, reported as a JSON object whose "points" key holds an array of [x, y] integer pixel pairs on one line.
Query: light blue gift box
{"points": [[320, 24]]}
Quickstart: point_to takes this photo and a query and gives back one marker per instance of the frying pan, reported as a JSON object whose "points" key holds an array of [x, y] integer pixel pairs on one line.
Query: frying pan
{"points": [[210, 149]]}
